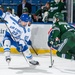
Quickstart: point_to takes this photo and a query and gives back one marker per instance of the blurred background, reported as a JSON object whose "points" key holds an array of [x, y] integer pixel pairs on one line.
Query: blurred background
{"points": [[36, 4]]}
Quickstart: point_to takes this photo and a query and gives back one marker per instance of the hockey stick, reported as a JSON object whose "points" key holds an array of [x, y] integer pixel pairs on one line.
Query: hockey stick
{"points": [[34, 50], [25, 58], [32, 66], [10, 31], [52, 61]]}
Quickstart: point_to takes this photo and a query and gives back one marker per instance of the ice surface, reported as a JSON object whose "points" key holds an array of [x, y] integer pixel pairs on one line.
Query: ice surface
{"points": [[18, 66]]}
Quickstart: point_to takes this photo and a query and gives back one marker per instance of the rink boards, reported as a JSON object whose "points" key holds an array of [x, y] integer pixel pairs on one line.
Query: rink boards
{"points": [[39, 37]]}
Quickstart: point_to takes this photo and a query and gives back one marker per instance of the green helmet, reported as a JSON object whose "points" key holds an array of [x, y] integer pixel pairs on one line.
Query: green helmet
{"points": [[25, 10], [8, 8], [1, 6], [59, 15]]}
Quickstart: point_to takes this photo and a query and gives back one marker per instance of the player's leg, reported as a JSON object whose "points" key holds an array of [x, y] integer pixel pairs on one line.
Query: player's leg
{"points": [[62, 50], [72, 50], [66, 55], [29, 57], [65, 49], [27, 54], [6, 46]]}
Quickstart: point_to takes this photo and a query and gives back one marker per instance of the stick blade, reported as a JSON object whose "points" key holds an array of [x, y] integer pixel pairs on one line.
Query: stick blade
{"points": [[51, 64]]}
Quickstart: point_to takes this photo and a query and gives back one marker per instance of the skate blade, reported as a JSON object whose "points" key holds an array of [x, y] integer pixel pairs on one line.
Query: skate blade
{"points": [[33, 66]]}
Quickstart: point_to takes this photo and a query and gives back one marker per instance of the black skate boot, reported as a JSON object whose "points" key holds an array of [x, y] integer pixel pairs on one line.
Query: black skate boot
{"points": [[33, 62]]}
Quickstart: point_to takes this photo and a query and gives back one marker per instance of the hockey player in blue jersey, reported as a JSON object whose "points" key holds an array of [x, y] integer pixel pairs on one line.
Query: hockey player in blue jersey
{"points": [[18, 34]]}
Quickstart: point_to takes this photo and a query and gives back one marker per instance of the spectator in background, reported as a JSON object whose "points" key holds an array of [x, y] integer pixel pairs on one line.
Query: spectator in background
{"points": [[38, 15], [55, 6], [22, 6], [9, 9], [1, 7]]}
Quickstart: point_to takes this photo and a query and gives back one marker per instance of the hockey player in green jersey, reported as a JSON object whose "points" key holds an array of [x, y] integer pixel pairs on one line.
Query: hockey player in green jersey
{"points": [[55, 6], [38, 15], [62, 37]]}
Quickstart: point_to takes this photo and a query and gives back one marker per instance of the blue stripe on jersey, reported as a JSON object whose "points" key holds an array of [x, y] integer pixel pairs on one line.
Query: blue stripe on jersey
{"points": [[14, 20], [18, 23]]}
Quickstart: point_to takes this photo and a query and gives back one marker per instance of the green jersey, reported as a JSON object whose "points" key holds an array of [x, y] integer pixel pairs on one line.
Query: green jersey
{"points": [[59, 30], [40, 11], [62, 31], [55, 7]]}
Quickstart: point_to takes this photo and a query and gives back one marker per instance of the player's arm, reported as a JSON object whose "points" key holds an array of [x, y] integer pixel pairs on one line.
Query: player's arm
{"points": [[53, 36]]}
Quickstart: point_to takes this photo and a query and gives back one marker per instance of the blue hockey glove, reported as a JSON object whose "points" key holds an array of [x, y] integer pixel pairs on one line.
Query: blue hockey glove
{"points": [[29, 42], [22, 48]]}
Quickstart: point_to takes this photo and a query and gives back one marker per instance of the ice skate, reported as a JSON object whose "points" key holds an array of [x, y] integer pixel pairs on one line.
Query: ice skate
{"points": [[8, 60], [33, 62]]}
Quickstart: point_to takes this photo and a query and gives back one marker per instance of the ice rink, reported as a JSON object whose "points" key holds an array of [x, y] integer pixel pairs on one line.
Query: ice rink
{"points": [[19, 66]]}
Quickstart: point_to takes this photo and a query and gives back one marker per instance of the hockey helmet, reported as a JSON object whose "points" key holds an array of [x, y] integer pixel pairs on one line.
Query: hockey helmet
{"points": [[59, 16], [25, 18]]}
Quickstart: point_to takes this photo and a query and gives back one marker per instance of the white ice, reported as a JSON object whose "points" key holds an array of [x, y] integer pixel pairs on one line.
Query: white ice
{"points": [[19, 66]]}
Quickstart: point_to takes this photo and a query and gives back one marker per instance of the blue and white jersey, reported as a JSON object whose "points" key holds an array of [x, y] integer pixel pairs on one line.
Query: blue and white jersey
{"points": [[19, 32]]}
